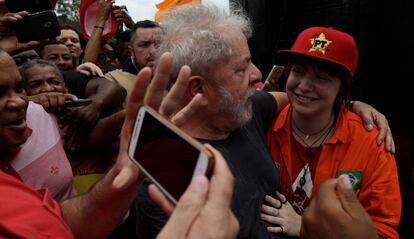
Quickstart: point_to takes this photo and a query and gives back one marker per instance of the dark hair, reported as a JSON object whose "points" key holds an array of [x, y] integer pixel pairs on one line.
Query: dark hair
{"points": [[143, 24], [39, 48], [123, 36], [330, 68], [82, 40]]}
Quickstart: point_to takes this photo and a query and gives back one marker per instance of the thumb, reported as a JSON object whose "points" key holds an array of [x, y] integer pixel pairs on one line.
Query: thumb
{"points": [[348, 198], [187, 210]]}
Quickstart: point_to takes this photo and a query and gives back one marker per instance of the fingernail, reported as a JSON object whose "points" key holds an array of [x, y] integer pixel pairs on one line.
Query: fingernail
{"points": [[369, 126], [199, 184], [344, 178]]}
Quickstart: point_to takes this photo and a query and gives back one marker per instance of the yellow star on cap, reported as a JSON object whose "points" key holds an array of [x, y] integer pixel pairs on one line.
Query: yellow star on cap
{"points": [[320, 43]]}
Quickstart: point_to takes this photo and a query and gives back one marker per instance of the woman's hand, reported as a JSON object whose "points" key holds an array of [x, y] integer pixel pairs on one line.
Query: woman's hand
{"points": [[282, 214]]}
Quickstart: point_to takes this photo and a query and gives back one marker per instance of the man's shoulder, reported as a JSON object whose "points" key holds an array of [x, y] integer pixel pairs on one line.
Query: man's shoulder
{"points": [[119, 75]]}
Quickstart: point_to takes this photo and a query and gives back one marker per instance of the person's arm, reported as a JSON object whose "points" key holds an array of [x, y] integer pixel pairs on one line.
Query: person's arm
{"points": [[281, 99], [94, 43], [106, 96], [331, 217], [97, 213], [106, 130]]}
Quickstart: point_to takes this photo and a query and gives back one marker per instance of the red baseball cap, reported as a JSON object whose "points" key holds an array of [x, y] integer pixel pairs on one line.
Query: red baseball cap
{"points": [[326, 44]]}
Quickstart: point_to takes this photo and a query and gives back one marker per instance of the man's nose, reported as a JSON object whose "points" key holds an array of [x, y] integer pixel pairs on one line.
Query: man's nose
{"points": [[255, 75]]}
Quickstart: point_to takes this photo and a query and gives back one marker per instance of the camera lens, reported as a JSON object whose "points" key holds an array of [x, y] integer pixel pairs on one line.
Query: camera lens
{"points": [[48, 24]]}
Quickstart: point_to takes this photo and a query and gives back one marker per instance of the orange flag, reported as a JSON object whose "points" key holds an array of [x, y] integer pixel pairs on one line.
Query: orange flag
{"points": [[167, 4]]}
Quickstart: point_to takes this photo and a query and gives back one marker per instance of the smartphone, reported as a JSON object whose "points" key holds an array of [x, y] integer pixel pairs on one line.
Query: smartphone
{"points": [[78, 103], [31, 6], [37, 26], [274, 75], [166, 155]]}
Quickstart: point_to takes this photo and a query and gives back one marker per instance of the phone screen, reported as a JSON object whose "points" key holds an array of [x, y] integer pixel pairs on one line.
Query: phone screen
{"points": [[167, 158]]}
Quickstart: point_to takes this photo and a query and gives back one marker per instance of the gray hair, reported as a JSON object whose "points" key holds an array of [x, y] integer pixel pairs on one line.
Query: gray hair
{"points": [[196, 35], [38, 62]]}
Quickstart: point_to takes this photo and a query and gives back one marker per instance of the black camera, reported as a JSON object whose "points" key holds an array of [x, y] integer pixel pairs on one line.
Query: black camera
{"points": [[40, 24]]}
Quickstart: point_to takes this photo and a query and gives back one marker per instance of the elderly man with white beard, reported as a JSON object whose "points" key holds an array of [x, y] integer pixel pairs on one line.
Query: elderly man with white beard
{"points": [[231, 115]]}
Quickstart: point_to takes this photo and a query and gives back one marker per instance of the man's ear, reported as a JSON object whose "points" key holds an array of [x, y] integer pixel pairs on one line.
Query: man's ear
{"points": [[196, 85]]}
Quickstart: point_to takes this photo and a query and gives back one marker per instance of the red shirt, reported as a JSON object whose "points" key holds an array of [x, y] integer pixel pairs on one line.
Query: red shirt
{"points": [[29, 213]]}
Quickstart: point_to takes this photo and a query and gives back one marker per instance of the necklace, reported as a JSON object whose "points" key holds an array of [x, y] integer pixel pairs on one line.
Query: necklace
{"points": [[307, 136], [308, 152]]}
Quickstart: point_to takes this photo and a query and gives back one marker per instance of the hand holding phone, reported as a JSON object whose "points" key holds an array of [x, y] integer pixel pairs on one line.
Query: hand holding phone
{"points": [[271, 83], [37, 26], [166, 155]]}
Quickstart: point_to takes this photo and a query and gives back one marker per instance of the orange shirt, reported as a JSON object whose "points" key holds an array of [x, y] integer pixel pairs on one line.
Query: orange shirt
{"points": [[352, 149]]}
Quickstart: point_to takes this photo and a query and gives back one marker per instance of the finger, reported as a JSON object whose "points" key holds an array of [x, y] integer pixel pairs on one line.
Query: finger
{"points": [[270, 210], [281, 197], [188, 208], [389, 141], [175, 96], [277, 229], [327, 201], [134, 102], [188, 111], [368, 121], [158, 198], [159, 83], [129, 174], [348, 198], [71, 97], [61, 102], [54, 102], [99, 72], [44, 101], [273, 201], [383, 131], [222, 180], [84, 72], [271, 219]]}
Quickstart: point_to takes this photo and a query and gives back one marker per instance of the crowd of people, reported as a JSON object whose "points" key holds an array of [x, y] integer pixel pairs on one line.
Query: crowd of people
{"points": [[307, 162]]}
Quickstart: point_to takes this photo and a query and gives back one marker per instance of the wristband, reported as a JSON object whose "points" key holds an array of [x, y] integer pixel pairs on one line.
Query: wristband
{"points": [[101, 27]]}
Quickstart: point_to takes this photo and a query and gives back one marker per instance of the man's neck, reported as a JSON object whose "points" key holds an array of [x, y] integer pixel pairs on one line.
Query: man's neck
{"points": [[206, 128]]}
